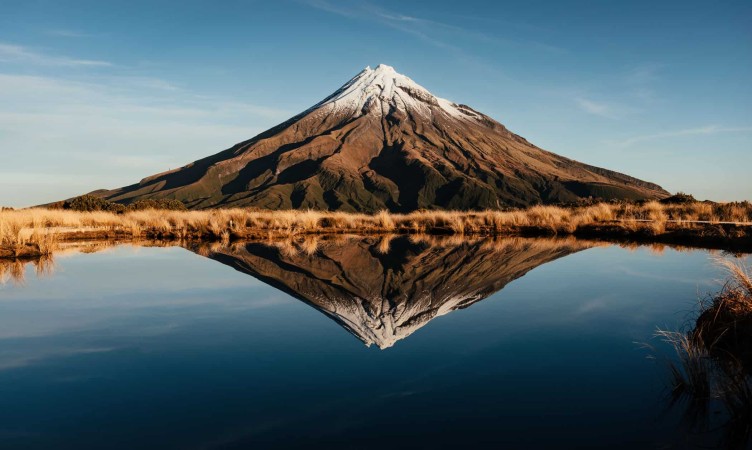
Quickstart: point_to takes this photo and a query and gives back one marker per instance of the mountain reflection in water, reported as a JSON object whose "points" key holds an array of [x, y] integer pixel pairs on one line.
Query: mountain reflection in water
{"points": [[191, 354], [383, 289]]}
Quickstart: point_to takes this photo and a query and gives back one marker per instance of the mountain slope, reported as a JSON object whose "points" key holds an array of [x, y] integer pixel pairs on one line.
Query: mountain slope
{"points": [[383, 142]]}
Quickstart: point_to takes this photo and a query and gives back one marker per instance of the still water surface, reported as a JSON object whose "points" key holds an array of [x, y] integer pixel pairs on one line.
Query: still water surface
{"points": [[355, 343]]}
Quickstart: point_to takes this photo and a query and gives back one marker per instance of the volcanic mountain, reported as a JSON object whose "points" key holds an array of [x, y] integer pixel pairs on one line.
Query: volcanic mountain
{"points": [[384, 289], [382, 141]]}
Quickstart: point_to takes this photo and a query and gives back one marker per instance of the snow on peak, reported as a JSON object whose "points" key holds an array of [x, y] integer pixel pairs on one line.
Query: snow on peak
{"points": [[380, 90], [384, 68]]}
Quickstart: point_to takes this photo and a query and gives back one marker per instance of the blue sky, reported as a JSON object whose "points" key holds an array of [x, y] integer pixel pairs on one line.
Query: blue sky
{"points": [[100, 94]]}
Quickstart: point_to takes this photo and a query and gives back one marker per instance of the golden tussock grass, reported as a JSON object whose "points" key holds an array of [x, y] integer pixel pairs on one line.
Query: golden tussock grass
{"points": [[714, 364], [43, 228]]}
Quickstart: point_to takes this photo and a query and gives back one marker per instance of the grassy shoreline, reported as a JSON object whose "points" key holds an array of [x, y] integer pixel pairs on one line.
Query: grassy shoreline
{"points": [[711, 378], [37, 231]]}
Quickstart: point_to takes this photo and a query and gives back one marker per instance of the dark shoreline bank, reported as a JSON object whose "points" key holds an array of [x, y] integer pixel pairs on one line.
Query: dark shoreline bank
{"points": [[726, 237]]}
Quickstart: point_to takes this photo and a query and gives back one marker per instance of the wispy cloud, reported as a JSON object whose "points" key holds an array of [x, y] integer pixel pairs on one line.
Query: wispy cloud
{"points": [[81, 130], [407, 24], [599, 108], [645, 94], [12, 53], [626, 92], [329, 7], [434, 32], [643, 74], [640, 82], [513, 24], [67, 33], [147, 82], [704, 130]]}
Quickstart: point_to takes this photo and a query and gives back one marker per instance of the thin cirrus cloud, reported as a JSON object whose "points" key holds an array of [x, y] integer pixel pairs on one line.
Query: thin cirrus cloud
{"points": [[433, 32], [88, 125], [704, 130], [365, 11], [114, 102], [11, 53], [637, 84], [67, 33], [600, 109]]}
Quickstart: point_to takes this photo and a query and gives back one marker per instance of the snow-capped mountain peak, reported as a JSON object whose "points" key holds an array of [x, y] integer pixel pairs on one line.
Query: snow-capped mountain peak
{"points": [[382, 90]]}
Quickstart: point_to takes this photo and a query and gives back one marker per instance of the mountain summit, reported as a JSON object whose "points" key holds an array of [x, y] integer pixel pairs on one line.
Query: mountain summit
{"points": [[381, 90], [382, 141]]}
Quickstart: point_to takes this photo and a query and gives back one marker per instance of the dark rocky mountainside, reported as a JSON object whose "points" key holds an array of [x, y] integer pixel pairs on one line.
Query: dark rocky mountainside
{"points": [[384, 142]]}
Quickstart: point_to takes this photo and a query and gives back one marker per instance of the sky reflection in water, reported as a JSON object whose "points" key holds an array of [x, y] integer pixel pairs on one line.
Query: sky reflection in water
{"points": [[164, 348]]}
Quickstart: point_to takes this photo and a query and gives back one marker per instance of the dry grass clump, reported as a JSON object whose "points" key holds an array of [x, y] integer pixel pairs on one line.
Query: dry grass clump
{"points": [[22, 236], [725, 324], [715, 359], [737, 212], [692, 376], [10, 232], [384, 220], [45, 241]]}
